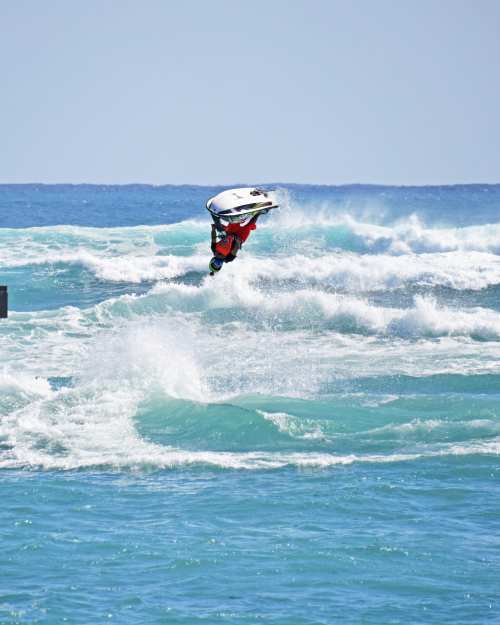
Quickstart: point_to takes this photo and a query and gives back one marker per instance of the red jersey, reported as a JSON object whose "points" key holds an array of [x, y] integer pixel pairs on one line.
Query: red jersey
{"points": [[242, 231]]}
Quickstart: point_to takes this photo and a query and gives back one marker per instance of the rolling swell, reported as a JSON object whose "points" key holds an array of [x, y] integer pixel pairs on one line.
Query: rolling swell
{"points": [[119, 427]]}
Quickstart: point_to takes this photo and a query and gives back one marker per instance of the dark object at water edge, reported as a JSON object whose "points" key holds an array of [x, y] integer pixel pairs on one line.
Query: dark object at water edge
{"points": [[3, 302]]}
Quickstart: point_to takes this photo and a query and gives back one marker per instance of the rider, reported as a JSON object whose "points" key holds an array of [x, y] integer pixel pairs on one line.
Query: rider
{"points": [[234, 235]]}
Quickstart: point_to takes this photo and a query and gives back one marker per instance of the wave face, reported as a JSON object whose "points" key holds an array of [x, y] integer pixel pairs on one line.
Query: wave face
{"points": [[340, 379]]}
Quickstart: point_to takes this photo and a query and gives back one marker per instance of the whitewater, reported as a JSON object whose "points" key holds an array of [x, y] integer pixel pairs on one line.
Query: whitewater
{"points": [[310, 436]]}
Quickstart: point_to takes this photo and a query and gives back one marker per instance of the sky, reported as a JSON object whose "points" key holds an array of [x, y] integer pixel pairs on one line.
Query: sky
{"points": [[220, 92]]}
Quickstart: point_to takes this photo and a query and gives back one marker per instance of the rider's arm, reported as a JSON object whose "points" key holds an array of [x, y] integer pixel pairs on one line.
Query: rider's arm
{"points": [[213, 238], [217, 224]]}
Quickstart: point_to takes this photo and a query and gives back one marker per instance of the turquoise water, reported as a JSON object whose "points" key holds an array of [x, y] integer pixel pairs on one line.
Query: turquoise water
{"points": [[312, 436]]}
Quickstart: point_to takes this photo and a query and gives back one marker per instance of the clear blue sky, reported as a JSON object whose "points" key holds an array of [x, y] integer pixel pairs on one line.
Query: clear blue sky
{"points": [[216, 91]]}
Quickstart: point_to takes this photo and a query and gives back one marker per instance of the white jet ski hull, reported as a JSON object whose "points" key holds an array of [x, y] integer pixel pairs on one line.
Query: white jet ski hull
{"points": [[235, 205]]}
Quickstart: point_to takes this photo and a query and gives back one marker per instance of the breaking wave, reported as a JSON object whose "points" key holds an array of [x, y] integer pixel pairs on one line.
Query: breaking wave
{"points": [[111, 423], [288, 231]]}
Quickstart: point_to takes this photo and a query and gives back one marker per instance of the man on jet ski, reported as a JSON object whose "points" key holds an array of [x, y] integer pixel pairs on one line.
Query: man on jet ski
{"points": [[239, 209], [234, 235]]}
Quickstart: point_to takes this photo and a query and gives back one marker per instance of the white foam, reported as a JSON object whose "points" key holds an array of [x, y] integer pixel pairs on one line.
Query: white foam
{"points": [[18, 389], [306, 429], [28, 386], [406, 235], [342, 312], [429, 319], [354, 272], [419, 426], [348, 271], [289, 343], [139, 268], [83, 442], [92, 422], [115, 254], [461, 258], [146, 358]]}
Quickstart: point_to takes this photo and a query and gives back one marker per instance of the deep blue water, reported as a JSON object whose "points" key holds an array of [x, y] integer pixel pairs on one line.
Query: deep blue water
{"points": [[312, 436]]}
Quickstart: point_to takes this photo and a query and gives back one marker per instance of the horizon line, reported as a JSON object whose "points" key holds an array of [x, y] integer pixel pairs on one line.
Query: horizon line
{"points": [[246, 184]]}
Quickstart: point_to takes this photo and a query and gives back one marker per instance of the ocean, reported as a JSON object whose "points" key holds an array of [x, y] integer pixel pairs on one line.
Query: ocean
{"points": [[311, 436]]}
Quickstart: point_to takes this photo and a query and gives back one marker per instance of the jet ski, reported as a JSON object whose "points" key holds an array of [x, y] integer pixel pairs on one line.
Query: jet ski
{"points": [[237, 205]]}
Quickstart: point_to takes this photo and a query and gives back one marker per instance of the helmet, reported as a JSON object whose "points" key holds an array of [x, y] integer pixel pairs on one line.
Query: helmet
{"points": [[215, 265]]}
